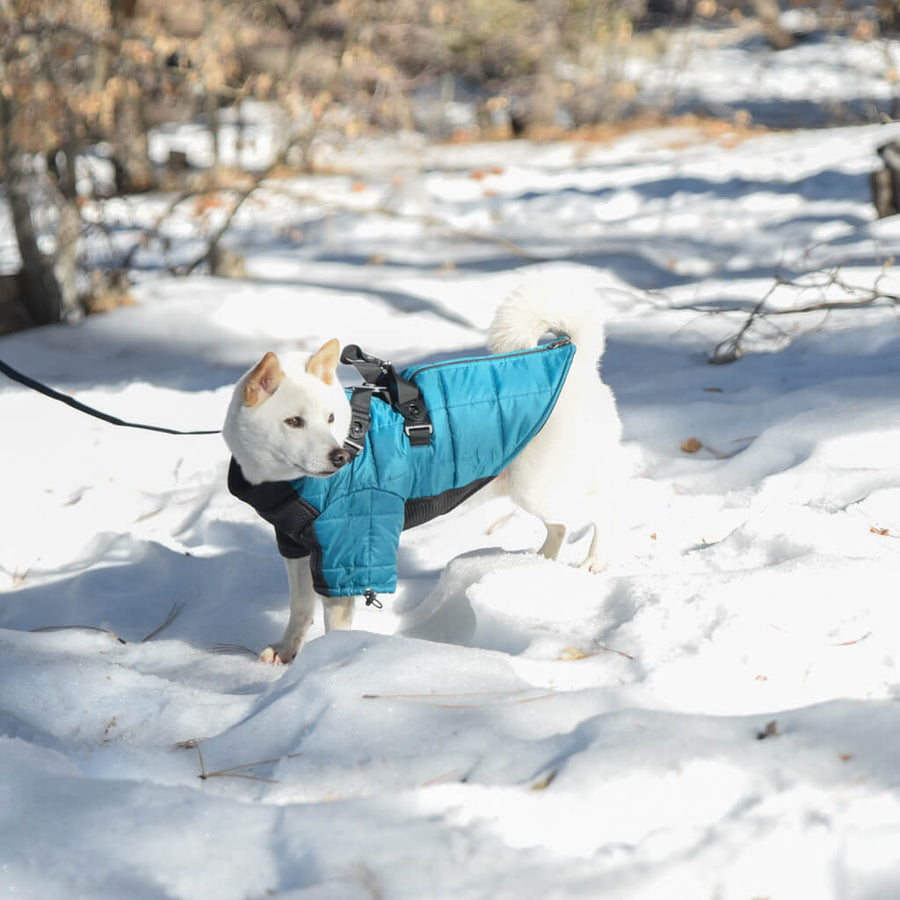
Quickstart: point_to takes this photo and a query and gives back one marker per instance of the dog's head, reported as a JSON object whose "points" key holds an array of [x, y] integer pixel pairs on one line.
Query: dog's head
{"points": [[289, 417]]}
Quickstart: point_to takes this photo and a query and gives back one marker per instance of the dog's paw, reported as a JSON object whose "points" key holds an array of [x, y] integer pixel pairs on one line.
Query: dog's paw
{"points": [[275, 657]]}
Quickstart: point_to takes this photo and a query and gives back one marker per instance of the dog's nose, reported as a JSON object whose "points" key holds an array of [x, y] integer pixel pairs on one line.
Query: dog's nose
{"points": [[339, 458]]}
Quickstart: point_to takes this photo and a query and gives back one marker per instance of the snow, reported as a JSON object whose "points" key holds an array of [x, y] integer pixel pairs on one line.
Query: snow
{"points": [[712, 717]]}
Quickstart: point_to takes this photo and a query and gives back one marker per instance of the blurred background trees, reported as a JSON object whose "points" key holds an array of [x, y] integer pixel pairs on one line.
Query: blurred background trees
{"points": [[85, 85]]}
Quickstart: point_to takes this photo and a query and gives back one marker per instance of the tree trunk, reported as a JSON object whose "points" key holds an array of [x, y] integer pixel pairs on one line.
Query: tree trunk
{"points": [[41, 292], [128, 135], [885, 181], [65, 263], [133, 150], [211, 101], [544, 102]]}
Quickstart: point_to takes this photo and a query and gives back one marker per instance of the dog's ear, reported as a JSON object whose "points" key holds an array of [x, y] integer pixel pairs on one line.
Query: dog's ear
{"points": [[323, 363], [263, 381]]}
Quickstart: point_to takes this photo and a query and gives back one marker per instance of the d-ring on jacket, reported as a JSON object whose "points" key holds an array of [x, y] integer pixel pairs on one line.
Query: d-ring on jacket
{"points": [[483, 410]]}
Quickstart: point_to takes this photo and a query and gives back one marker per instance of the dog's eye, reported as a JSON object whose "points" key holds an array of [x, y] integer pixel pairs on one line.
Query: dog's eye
{"points": [[330, 418], [295, 422]]}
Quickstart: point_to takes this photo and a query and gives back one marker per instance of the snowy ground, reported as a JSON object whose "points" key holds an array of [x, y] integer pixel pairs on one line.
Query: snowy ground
{"points": [[711, 718], [824, 79]]}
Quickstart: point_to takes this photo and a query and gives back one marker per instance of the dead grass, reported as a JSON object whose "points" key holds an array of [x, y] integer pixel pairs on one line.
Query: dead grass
{"points": [[728, 133]]}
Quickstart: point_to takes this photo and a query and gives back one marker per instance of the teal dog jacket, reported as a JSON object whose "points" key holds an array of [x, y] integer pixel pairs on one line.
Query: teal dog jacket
{"points": [[482, 412]]}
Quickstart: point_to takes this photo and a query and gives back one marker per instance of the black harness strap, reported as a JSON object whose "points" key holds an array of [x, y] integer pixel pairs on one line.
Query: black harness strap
{"points": [[35, 385], [383, 381], [360, 420]]}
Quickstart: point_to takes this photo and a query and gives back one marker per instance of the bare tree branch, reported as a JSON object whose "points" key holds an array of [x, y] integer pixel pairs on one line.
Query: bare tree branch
{"points": [[856, 297]]}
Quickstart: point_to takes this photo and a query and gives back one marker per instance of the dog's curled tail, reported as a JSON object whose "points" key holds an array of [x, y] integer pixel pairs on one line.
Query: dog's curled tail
{"points": [[550, 303]]}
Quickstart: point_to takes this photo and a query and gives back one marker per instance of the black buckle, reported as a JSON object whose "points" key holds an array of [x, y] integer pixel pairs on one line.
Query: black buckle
{"points": [[419, 435], [352, 447]]}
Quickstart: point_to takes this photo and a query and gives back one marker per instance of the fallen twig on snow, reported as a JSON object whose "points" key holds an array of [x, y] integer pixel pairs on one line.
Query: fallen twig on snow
{"points": [[112, 634], [234, 650], [545, 780], [731, 348], [573, 653], [233, 771], [694, 445], [175, 611], [852, 643], [769, 731], [459, 776], [510, 696]]}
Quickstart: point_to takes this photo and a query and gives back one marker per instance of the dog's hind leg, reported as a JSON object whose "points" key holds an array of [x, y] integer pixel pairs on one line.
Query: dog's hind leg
{"points": [[303, 603], [338, 612], [596, 560], [553, 544]]}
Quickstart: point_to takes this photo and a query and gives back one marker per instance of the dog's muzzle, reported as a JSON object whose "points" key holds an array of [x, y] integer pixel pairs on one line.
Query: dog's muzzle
{"points": [[339, 458]]}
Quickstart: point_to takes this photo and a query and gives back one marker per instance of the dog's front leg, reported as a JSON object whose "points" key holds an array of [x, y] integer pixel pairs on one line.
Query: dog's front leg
{"points": [[303, 604], [338, 612]]}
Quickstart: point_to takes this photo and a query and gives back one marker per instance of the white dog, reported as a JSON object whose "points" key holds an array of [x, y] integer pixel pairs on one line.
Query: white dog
{"points": [[289, 419]]}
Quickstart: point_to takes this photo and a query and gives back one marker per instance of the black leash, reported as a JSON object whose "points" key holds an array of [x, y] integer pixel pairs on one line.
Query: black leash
{"points": [[35, 385], [381, 380]]}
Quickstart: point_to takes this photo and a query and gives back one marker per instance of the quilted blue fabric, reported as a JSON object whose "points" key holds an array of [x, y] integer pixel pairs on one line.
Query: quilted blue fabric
{"points": [[484, 410]]}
